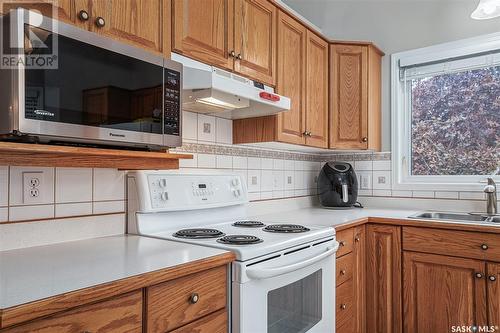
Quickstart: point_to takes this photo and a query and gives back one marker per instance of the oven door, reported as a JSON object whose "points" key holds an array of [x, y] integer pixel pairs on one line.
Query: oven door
{"points": [[287, 296]]}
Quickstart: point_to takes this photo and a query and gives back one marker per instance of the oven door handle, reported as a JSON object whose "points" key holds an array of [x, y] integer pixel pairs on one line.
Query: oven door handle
{"points": [[264, 273]]}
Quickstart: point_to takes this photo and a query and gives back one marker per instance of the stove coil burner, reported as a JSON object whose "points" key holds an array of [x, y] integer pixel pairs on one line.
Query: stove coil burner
{"points": [[285, 228], [239, 240], [198, 233], [248, 224]]}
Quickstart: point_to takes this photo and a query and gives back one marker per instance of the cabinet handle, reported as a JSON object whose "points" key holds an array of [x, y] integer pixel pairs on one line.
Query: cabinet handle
{"points": [[100, 22], [492, 278], [342, 243], [364, 139], [239, 57], [343, 306], [357, 239], [484, 246], [232, 54], [479, 275], [342, 272], [194, 298], [83, 15]]}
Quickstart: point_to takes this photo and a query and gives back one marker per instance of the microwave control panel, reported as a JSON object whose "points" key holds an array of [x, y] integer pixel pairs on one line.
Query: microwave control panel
{"points": [[172, 111]]}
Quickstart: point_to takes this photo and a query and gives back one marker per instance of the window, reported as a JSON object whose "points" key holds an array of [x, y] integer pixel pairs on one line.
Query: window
{"points": [[446, 115]]}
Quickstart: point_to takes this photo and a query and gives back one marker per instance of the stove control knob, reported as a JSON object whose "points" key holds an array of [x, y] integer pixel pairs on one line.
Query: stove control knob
{"points": [[164, 196], [235, 182], [163, 182]]}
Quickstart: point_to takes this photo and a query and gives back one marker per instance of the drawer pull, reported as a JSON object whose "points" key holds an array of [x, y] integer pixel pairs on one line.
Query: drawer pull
{"points": [[232, 54], [343, 306], [357, 239], [83, 16], [492, 278], [100, 22], [342, 243], [484, 246], [342, 272], [194, 298], [479, 275], [239, 57]]}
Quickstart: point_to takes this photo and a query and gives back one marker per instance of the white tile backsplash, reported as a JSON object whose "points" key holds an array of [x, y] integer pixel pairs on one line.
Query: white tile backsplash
{"points": [[189, 163], [423, 194], [472, 196], [278, 180], [254, 180], [254, 163], [224, 162], [107, 207], [206, 128], [267, 181], [190, 125], [4, 186], [73, 209], [4, 214], [278, 164], [109, 184], [73, 185], [38, 212], [206, 161], [224, 131], [382, 165], [363, 165], [240, 162], [267, 163], [446, 195], [381, 180]]}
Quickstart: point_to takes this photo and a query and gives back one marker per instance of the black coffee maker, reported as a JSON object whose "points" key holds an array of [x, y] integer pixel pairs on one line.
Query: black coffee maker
{"points": [[338, 185]]}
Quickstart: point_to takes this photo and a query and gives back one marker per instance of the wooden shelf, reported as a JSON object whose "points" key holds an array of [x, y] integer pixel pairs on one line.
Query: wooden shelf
{"points": [[66, 156]]}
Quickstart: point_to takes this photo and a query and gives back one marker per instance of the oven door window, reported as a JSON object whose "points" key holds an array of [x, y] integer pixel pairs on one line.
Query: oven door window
{"points": [[297, 307], [96, 87]]}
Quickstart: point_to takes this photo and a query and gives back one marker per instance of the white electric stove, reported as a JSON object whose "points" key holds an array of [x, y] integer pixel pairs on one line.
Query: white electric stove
{"points": [[283, 279]]}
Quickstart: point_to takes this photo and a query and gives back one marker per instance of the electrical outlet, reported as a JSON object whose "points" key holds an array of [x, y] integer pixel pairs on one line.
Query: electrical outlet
{"points": [[32, 188]]}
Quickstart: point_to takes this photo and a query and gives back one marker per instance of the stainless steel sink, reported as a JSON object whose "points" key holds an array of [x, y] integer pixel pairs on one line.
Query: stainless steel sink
{"points": [[456, 217]]}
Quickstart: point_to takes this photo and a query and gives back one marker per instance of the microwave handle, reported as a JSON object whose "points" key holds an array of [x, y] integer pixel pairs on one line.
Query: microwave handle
{"points": [[264, 273], [345, 193]]}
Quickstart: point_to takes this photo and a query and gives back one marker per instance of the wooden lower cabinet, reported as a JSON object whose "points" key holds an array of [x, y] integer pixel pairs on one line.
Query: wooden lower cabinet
{"points": [[350, 281], [441, 292], [383, 279], [493, 291], [193, 303], [121, 314]]}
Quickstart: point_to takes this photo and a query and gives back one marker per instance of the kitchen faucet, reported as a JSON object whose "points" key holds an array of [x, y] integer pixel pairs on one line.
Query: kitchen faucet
{"points": [[491, 197]]}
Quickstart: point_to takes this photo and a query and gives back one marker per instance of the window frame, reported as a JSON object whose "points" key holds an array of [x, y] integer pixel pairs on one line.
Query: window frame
{"points": [[401, 115]]}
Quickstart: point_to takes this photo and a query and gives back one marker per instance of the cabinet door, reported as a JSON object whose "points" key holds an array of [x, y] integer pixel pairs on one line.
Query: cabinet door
{"points": [[203, 30], [291, 78], [440, 292], [255, 39], [317, 91], [493, 283], [64, 10], [349, 99], [359, 277], [383, 279], [137, 22]]}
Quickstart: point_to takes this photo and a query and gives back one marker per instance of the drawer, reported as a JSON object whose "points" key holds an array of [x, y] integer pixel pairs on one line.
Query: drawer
{"points": [[117, 315], [346, 241], [345, 303], [466, 244], [213, 323], [344, 267], [171, 305]]}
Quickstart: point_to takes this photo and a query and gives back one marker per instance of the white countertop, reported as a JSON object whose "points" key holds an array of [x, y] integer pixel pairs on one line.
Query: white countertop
{"points": [[39, 272], [330, 217]]}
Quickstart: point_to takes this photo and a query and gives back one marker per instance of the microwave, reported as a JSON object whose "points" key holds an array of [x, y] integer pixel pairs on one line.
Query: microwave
{"points": [[59, 83]]}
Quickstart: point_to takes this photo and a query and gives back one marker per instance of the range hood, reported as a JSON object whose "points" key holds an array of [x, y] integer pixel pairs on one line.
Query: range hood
{"points": [[214, 91]]}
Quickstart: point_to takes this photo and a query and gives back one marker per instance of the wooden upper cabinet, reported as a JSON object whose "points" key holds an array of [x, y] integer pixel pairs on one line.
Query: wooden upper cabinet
{"points": [[316, 91], [291, 81], [137, 22], [441, 292], [383, 279], [255, 24], [63, 10], [203, 30], [355, 97], [493, 283]]}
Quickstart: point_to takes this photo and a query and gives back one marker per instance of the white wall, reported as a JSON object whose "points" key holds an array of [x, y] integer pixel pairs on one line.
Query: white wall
{"points": [[394, 26]]}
